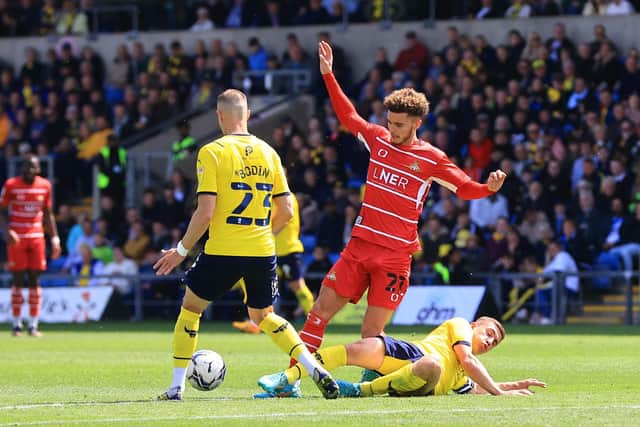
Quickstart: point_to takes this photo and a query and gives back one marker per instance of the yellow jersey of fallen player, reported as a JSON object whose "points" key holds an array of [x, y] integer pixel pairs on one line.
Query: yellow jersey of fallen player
{"points": [[245, 173], [439, 344], [288, 239]]}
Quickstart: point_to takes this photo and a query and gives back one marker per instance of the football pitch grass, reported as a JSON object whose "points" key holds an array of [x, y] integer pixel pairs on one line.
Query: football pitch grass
{"points": [[108, 373]]}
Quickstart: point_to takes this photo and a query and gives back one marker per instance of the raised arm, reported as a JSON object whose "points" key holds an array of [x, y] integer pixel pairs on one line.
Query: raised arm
{"points": [[346, 112]]}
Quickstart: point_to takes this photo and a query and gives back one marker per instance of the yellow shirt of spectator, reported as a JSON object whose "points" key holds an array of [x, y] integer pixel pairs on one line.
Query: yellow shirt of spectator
{"points": [[245, 173], [288, 240]]}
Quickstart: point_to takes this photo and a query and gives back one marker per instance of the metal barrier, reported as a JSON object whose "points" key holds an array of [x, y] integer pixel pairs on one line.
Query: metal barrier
{"points": [[138, 301], [283, 81], [132, 9]]}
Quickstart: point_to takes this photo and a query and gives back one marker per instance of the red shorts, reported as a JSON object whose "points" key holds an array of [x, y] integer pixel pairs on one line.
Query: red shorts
{"points": [[27, 254], [363, 265]]}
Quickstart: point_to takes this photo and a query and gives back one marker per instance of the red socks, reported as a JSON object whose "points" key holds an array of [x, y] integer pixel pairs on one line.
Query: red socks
{"points": [[312, 333], [35, 300], [16, 301]]}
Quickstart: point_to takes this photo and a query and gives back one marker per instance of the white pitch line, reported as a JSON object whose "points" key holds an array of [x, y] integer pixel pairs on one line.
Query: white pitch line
{"points": [[313, 414], [71, 404]]}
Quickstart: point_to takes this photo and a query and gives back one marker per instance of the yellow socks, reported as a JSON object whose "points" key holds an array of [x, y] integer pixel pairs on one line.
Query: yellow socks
{"points": [[402, 380], [282, 334], [305, 298], [288, 340], [185, 337], [329, 358]]}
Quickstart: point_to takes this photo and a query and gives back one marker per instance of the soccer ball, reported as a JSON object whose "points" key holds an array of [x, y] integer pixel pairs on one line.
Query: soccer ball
{"points": [[206, 370]]}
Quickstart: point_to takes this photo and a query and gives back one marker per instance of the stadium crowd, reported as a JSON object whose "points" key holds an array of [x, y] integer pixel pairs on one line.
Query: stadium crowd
{"points": [[560, 116], [45, 17]]}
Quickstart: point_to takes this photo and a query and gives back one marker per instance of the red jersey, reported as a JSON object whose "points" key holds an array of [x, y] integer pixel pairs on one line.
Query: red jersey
{"points": [[398, 179], [25, 203]]}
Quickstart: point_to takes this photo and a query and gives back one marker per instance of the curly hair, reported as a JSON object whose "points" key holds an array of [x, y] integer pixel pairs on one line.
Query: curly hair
{"points": [[407, 101]]}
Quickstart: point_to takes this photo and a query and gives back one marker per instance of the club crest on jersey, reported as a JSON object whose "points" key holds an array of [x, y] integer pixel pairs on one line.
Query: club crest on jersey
{"points": [[415, 166], [248, 150], [331, 276]]}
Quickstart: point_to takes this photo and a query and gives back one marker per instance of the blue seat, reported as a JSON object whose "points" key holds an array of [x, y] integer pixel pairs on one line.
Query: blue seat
{"points": [[605, 262], [308, 241], [333, 257]]}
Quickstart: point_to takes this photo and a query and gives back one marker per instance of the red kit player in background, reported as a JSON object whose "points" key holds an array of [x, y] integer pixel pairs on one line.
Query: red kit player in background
{"points": [[28, 199], [401, 170]]}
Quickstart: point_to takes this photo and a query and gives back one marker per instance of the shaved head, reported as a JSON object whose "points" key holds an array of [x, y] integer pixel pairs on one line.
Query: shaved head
{"points": [[232, 101], [233, 111]]}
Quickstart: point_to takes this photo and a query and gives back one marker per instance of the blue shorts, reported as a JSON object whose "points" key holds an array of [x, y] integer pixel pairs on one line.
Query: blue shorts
{"points": [[211, 276], [401, 350], [291, 266]]}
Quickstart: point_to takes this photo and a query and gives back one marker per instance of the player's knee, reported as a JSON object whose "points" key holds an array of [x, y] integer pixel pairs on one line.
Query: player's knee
{"points": [[427, 368], [257, 315], [370, 331]]}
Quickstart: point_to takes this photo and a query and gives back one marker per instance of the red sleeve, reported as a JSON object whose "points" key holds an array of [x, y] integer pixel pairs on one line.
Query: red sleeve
{"points": [[473, 190], [447, 174], [346, 112]]}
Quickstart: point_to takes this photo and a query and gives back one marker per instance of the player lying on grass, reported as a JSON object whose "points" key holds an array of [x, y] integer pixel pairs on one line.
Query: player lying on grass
{"points": [[443, 361]]}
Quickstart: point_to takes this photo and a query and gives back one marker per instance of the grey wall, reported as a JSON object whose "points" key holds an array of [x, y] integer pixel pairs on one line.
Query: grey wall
{"points": [[359, 41]]}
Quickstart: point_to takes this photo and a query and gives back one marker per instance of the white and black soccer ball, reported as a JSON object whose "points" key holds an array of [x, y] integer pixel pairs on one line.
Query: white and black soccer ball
{"points": [[206, 370]]}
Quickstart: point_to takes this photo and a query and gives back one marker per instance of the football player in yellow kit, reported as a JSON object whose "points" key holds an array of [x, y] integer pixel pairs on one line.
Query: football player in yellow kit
{"points": [[443, 361]]}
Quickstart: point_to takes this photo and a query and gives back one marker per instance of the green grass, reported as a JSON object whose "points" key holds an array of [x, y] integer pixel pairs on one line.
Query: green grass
{"points": [[106, 374]]}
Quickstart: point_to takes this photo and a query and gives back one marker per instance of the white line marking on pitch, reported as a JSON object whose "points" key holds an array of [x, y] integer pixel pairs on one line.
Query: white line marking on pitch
{"points": [[312, 414]]}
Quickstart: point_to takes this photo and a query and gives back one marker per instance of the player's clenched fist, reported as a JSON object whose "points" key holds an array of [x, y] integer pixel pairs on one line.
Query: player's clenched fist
{"points": [[496, 179]]}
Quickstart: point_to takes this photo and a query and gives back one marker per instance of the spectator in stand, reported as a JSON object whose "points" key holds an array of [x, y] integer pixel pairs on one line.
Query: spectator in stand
{"points": [[101, 250], [546, 8], [619, 7], [86, 265], [72, 20], [318, 267], [313, 13], [120, 265], [274, 15], [557, 261], [137, 242], [81, 234], [519, 9], [241, 14], [203, 23], [485, 212], [414, 52], [488, 9]]}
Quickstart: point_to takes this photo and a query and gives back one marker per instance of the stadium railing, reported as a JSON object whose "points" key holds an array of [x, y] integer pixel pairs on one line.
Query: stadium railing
{"points": [[146, 284], [288, 81]]}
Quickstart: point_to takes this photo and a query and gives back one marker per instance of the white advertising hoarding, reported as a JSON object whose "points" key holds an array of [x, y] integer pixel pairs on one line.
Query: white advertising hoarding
{"points": [[61, 304], [432, 305]]}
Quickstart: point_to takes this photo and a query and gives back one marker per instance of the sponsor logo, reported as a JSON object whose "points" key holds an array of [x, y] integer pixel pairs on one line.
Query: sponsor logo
{"points": [[248, 150], [192, 332], [383, 153], [319, 358], [435, 313], [281, 328], [390, 178], [415, 166]]}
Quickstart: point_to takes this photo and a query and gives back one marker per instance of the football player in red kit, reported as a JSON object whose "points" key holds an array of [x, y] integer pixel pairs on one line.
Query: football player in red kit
{"points": [[401, 170], [27, 198]]}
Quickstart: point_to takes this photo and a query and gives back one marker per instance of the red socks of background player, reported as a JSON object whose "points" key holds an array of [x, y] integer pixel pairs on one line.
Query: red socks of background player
{"points": [[35, 300], [312, 333], [16, 302]]}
